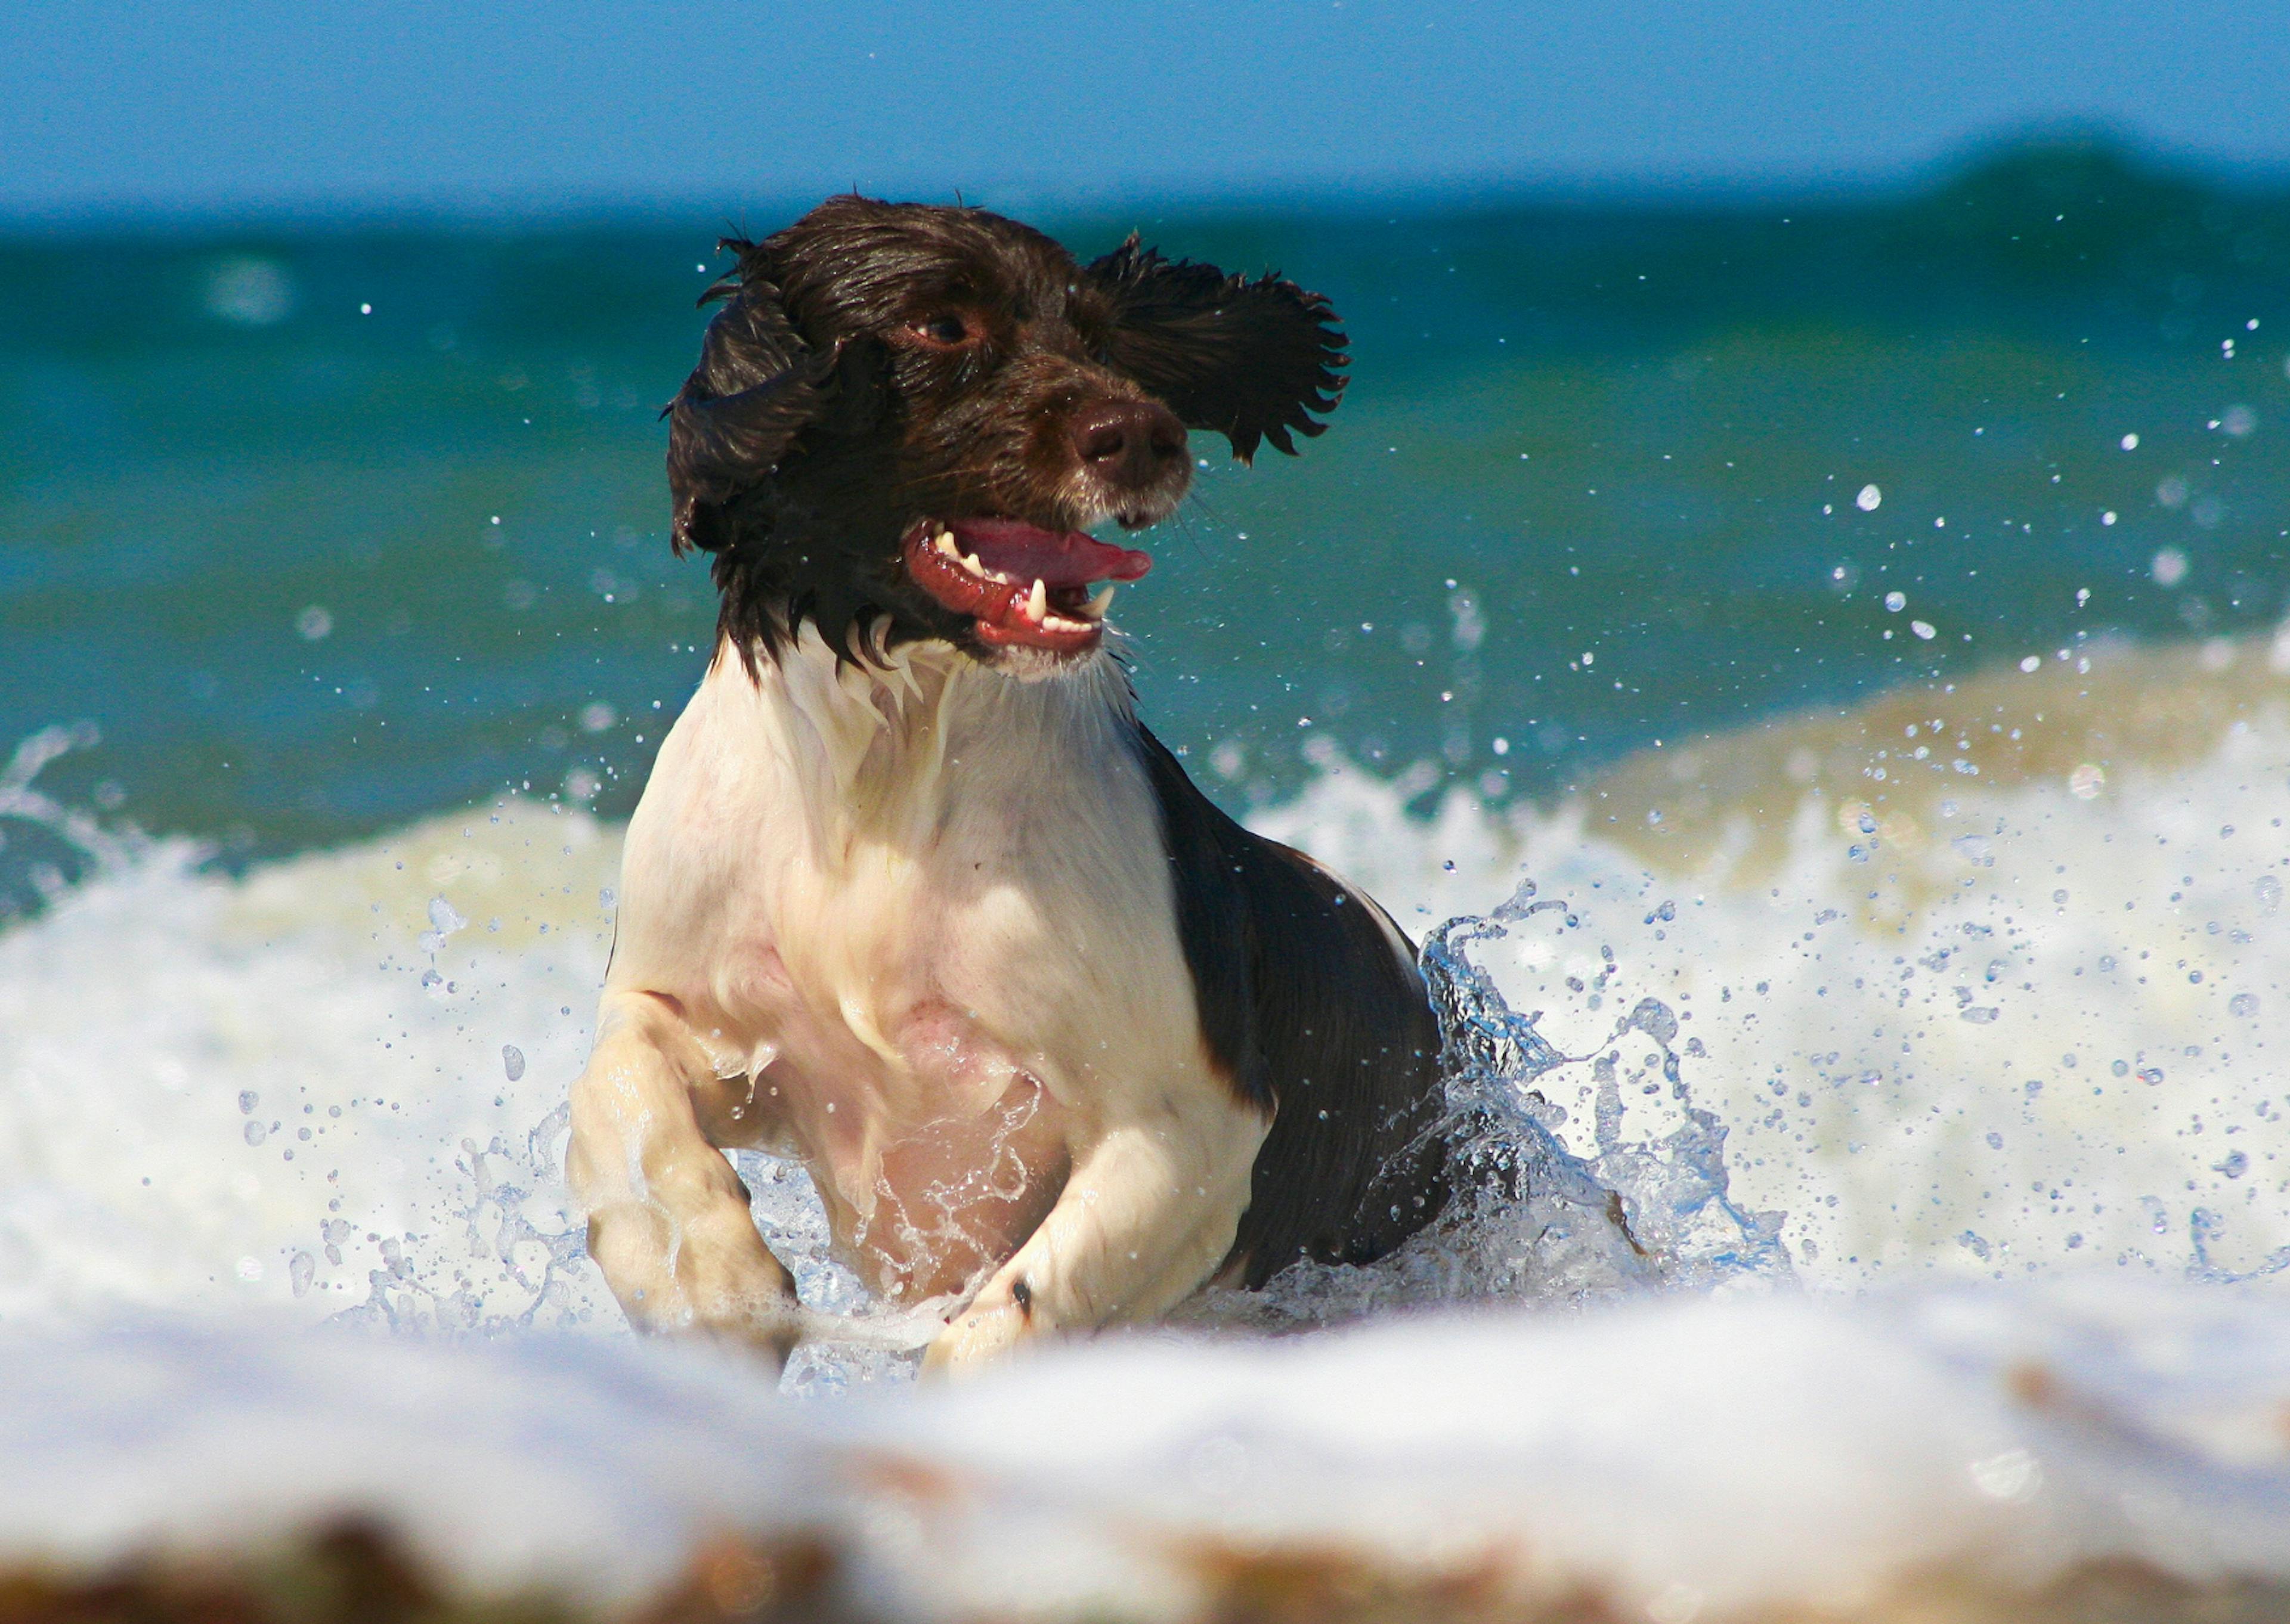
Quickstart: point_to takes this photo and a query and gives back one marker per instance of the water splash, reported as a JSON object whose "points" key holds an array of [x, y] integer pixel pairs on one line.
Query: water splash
{"points": [[2204, 1229], [855, 1337], [1531, 1220], [46, 847], [523, 1246]]}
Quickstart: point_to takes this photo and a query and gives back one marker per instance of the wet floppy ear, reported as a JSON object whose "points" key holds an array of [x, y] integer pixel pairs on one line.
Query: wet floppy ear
{"points": [[758, 386], [1252, 360]]}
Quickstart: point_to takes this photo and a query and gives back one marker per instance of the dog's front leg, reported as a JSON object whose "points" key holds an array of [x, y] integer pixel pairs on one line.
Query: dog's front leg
{"points": [[1148, 1215], [668, 1218]]}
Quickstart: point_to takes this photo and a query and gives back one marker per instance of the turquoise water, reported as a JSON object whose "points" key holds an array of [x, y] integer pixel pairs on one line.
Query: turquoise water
{"points": [[325, 529]]}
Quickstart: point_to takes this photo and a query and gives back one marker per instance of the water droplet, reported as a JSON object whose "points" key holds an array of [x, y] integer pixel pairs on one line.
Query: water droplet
{"points": [[249, 292], [2242, 1005], [2150, 1074], [2235, 1165], [247, 1100], [512, 1061], [1870, 499], [256, 1133], [2268, 888], [1654, 1018], [2015, 1475], [1896, 600]]}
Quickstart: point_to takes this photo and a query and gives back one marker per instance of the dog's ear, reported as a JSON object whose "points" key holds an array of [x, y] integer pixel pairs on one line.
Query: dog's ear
{"points": [[1252, 360], [758, 386]]}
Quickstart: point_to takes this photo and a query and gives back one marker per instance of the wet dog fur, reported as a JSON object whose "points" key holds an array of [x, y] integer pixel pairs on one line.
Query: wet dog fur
{"points": [[912, 894]]}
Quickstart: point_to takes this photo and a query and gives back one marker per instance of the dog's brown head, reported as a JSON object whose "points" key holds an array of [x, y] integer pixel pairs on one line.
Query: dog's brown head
{"points": [[905, 417]]}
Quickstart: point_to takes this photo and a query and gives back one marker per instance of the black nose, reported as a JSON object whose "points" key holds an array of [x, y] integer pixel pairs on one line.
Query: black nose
{"points": [[1129, 442]]}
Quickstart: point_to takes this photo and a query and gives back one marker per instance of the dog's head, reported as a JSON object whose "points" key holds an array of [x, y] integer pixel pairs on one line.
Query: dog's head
{"points": [[905, 418]]}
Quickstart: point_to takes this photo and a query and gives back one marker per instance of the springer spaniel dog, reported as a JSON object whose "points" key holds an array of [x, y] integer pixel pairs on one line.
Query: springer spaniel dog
{"points": [[912, 894]]}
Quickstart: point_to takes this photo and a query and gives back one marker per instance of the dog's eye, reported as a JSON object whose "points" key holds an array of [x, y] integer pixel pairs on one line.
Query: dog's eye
{"points": [[945, 331]]}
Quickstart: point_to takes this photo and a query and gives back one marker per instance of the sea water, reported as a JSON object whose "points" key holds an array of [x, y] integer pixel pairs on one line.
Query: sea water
{"points": [[1806, 672], [329, 529]]}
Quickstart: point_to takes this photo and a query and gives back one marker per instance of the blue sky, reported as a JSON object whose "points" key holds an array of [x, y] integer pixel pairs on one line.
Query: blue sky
{"points": [[241, 105]]}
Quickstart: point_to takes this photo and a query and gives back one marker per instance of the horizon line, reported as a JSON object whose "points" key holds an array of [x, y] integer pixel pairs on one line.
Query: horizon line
{"points": [[1460, 192]]}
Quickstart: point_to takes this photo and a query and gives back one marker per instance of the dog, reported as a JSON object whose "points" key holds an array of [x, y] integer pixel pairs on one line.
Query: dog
{"points": [[911, 894]]}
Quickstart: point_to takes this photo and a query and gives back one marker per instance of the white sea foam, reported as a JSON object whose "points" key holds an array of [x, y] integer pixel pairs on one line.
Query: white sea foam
{"points": [[2014, 1005], [2001, 996], [290, 1089]]}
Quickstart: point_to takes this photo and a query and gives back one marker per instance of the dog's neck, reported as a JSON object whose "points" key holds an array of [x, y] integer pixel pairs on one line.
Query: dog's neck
{"points": [[882, 745]]}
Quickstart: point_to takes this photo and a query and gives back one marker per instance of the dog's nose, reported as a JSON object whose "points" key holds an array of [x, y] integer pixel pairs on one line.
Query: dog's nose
{"points": [[1130, 442]]}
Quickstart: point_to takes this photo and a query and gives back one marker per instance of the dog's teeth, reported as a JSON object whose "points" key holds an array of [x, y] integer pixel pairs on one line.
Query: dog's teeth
{"points": [[1100, 602], [1059, 623], [970, 562], [945, 544], [1037, 602]]}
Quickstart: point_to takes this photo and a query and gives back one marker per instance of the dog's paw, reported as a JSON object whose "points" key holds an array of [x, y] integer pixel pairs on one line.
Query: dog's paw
{"points": [[975, 1338], [768, 1331]]}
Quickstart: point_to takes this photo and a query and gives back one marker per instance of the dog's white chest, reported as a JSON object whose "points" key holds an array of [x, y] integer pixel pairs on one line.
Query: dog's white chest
{"points": [[924, 926]]}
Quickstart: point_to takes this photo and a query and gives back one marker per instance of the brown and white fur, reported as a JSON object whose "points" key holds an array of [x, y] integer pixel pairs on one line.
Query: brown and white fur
{"points": [[911, 895]]}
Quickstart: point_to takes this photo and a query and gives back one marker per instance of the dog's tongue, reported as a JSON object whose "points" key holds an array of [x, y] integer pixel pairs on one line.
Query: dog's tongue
{"points": [[1027, 552]]}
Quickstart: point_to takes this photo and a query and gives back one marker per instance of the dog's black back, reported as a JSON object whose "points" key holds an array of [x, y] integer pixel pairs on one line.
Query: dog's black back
{"points": [[1311, 1003]]}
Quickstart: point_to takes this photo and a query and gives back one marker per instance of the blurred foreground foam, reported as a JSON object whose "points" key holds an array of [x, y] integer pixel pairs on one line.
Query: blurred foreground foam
{"points": [[2110, 1448]]}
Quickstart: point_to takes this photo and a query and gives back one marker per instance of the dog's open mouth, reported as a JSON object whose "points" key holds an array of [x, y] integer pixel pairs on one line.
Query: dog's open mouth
{"points": [[1022, 585]]}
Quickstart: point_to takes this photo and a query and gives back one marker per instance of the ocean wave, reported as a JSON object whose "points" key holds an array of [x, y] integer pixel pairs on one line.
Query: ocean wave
{"points": [[1977, 981], [1981, 978]]}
